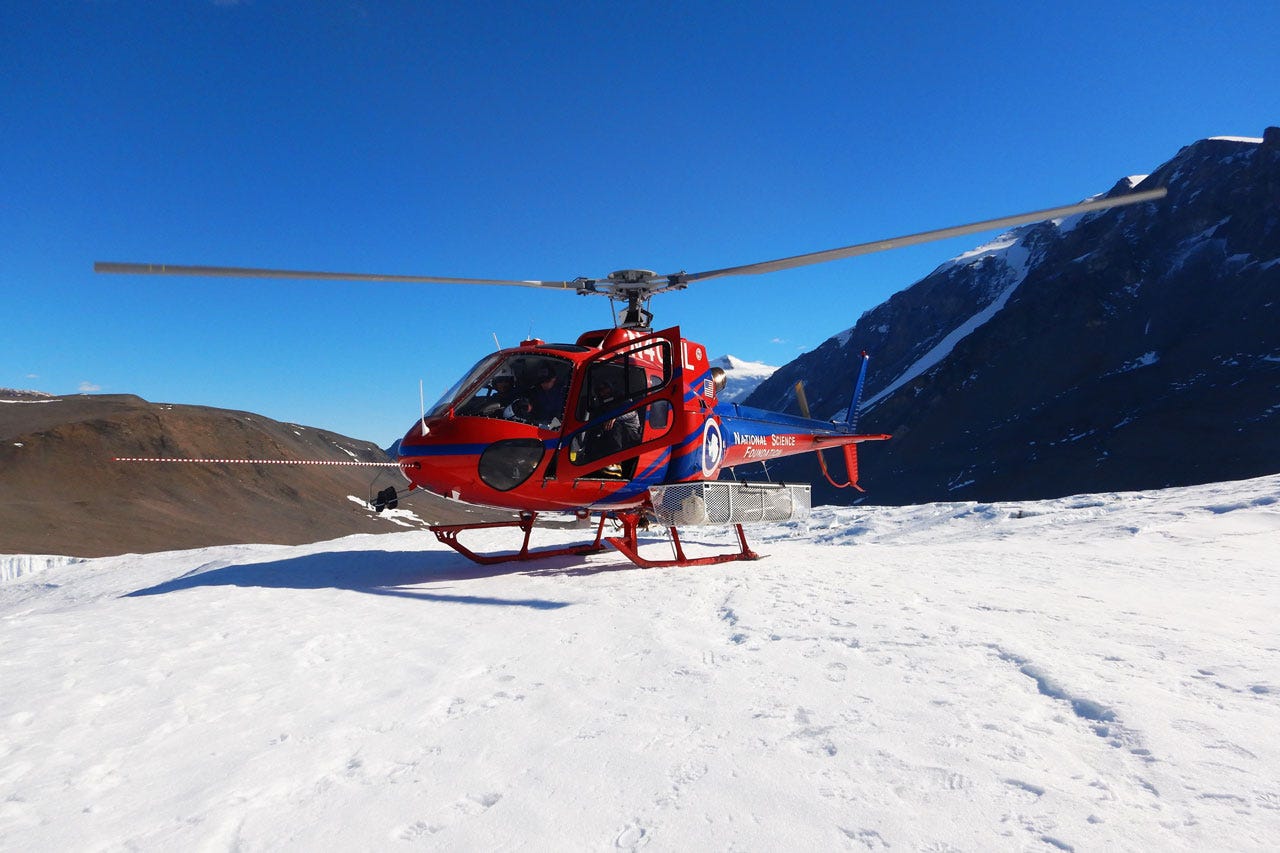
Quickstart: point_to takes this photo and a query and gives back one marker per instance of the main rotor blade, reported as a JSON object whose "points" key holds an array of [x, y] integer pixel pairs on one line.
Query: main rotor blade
{"points": [[249, 272], [927, 236], [609, 288]]}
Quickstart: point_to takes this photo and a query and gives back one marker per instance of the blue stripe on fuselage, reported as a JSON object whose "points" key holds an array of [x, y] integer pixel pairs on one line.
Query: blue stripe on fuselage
{"points": [[651, 476], [694, 388], [443, 450]]}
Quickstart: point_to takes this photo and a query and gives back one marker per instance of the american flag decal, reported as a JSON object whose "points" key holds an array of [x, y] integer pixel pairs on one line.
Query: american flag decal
{"points": [[708, 388]]}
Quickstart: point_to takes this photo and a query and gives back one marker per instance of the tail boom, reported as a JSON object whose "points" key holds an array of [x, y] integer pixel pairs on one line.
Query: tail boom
{"points": [[757, 435]]}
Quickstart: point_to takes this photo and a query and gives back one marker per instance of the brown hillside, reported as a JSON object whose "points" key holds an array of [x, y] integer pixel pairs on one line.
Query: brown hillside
{"points": [[61, 493]]}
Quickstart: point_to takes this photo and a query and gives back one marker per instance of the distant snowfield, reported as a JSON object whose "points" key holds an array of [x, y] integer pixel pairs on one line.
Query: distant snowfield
{"points": [[742, 377], [14, 566], [1096, 672]]}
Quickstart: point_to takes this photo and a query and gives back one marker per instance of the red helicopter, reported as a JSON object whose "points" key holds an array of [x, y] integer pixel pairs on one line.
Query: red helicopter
{"points": [[623, 423]]}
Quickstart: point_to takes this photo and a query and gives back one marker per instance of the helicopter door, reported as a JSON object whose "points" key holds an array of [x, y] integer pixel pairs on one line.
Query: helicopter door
{"points": [[624, 410]]}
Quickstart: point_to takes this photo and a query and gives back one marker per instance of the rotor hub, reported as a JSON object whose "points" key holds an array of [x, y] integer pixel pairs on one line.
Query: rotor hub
{"points": [[632, 276]]}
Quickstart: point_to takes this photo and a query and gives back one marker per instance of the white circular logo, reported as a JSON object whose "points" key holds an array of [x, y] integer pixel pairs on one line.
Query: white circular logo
{"points": [[712, 448]]}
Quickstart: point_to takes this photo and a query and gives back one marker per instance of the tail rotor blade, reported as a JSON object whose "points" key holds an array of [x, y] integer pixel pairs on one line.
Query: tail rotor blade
{"points": [[801, 400]]}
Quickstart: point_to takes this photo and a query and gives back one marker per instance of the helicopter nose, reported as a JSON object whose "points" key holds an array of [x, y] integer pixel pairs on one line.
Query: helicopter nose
{"points": [[506, 464], [421, 429], [461, 455]]}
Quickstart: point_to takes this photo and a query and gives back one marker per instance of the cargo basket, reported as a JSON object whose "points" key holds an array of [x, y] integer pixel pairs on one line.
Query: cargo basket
{"points": [[728, 502]]}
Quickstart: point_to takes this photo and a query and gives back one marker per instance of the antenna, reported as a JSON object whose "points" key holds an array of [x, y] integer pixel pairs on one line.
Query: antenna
{"points": [[422, 407], [495, 341]]}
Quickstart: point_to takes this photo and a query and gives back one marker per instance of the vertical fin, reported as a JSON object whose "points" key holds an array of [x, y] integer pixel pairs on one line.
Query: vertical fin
{"points": [[852, 417]]}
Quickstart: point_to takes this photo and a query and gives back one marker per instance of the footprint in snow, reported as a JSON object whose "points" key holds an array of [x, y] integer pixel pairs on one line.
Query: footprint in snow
{"points": [[872, 839], [474, 804], [417, 830], [1034, 790], [631, 838]]}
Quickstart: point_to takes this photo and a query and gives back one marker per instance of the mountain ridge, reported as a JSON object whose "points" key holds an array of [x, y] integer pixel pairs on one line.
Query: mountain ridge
{"points": [[1127, 338], [64, 494]]}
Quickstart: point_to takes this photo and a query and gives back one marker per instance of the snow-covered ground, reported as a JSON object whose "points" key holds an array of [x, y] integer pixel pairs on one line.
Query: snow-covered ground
{"points": [[1097, 672]]}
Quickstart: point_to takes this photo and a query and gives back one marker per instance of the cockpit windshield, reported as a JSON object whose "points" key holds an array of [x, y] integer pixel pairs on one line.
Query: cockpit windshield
{"points": [[530, 387], [482, 367]]}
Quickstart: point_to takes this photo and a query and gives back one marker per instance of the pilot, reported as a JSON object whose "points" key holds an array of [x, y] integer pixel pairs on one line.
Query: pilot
{"points": [[504, 389], [496, 400], [547, 396]]}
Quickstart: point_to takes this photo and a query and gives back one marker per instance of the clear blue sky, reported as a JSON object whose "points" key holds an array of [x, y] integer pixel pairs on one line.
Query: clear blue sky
{"points": [[541, 140]]}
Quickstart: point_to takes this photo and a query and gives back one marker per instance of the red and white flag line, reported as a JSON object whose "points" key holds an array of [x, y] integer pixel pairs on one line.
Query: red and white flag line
{"points": [[259, 461]]}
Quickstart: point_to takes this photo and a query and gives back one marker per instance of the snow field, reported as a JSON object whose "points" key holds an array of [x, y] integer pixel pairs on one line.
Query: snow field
{"points": [[1095, 672]]}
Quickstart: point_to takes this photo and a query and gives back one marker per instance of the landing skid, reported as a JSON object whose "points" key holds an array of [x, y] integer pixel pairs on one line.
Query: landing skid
{"points": [[448, 534], [629, 547], [627, 544]]}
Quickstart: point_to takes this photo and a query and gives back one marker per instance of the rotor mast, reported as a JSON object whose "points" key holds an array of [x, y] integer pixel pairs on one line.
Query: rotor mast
{"points": [[633, 289]]}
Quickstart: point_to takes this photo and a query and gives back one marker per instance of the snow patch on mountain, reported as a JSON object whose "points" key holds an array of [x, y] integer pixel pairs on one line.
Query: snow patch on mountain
{"points": [[17, 395], [742, 377], [1010, 250], [1145, 360]]}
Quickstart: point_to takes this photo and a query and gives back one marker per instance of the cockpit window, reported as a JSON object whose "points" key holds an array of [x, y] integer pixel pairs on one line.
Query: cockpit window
{"points": [[529, 387], [482, 367]]}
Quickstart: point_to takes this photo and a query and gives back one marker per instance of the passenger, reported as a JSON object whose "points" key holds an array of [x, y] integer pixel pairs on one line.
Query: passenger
{"points": [[547, 397], [617, 433]]}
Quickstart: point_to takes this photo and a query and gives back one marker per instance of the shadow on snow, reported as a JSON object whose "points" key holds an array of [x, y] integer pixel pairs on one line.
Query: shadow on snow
{"points": [[393, 573]]}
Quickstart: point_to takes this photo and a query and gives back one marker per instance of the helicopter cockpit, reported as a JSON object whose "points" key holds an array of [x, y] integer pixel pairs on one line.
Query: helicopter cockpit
{"points": [[524, 386]]}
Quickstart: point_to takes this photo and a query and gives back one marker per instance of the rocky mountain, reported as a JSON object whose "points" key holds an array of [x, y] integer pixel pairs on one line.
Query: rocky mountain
{"points": [[61, 493], [1131, 348]]}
